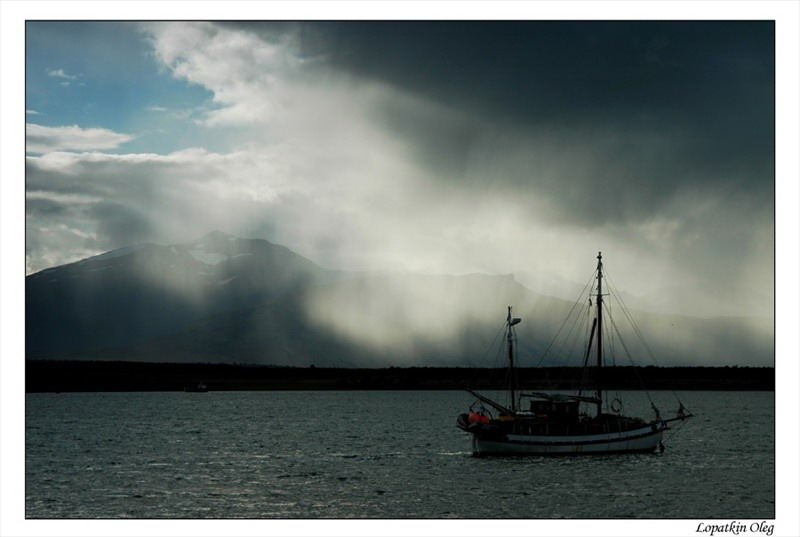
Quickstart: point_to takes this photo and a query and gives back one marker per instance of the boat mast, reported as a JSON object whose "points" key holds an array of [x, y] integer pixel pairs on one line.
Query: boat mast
{"points": [[599, 331], [511, 382]]}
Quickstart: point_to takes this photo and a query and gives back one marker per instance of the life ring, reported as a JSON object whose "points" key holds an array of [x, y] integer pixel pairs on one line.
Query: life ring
{"points": [[616, 405]]}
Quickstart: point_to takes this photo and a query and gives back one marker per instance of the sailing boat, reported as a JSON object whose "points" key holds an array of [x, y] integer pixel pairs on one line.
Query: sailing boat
{"points": [[563, 424]]}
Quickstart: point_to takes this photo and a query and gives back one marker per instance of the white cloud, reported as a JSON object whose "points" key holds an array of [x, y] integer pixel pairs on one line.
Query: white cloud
{"points": [[180, 114], [42, 139], [59, 73], [247, 75], [120, 199], [32, 113]]}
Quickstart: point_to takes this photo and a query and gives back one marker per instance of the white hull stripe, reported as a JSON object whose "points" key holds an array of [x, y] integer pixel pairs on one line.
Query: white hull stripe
{"points": [[583, 440], [644, 443]]}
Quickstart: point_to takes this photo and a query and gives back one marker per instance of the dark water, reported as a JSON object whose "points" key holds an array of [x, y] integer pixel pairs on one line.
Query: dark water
{"points": [[373, 455]]}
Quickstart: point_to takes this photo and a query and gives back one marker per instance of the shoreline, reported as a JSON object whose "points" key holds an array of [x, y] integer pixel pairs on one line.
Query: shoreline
{"points": [[43, 376]]}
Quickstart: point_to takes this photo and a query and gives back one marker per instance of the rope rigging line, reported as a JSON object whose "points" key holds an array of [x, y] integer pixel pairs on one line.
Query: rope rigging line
{"points": [[570, 341], [628, 354], [626, 311], [569, 315], [583, 381], [486, 357], [609, 334], [497, 335], [675, 431], [611, 352]]}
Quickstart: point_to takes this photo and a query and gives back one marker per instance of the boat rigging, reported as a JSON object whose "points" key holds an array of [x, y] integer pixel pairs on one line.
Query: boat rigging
{"points": [[554, 424]]}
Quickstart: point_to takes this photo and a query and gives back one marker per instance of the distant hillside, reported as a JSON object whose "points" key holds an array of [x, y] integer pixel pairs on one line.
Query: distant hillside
{"points": [[129, 295], [227, 300]]}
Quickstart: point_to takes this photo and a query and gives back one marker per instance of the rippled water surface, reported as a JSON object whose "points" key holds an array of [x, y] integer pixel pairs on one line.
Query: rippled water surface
{"points": [[373, 455]]}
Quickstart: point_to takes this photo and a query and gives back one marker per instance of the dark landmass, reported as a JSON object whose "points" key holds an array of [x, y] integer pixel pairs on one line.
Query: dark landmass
{"points": [[96, 376]]}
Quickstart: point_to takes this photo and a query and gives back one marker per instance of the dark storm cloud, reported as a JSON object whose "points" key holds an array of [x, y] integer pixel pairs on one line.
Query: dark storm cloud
{"points": [[539, 72], [639, 110]]}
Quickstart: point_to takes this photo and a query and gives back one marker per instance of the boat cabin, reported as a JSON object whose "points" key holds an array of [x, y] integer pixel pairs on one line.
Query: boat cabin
{"points": [[556, 410]]}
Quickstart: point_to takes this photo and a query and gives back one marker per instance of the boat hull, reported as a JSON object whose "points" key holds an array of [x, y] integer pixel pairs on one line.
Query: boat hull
{"points": [[642, 440]]}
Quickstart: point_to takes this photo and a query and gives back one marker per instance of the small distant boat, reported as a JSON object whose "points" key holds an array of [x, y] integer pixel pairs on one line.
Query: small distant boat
{"points": [[199, 387], [585, 423]]}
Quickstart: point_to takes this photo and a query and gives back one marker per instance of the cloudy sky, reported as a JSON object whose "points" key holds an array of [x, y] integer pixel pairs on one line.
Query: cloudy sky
{"points": [[455, 147], [476, 146]]}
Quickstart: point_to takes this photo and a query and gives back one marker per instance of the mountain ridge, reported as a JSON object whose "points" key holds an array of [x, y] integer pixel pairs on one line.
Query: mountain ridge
{"points": [[147, 290], [225, 299]]}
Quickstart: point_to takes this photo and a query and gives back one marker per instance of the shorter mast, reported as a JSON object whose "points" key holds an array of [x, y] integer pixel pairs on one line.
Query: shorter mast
{"points": [[512, 376]]}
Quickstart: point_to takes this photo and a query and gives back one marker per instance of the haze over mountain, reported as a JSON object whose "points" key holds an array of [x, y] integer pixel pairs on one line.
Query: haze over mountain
{"points": [[132, 294], [226, 299]]}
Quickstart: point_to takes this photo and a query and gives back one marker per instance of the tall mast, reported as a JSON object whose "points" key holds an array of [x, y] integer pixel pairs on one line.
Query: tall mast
{"points": [[599, 331]]}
